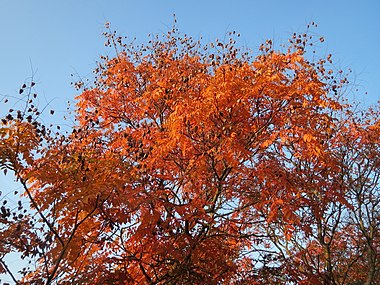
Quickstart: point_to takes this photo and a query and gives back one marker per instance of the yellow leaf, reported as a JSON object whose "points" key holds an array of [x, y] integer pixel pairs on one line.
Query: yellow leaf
{"points": [[307, 137]]}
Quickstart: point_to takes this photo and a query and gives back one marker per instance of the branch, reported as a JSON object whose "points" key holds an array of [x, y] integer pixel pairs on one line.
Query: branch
{"points": [[9, 271], [35, 205]]}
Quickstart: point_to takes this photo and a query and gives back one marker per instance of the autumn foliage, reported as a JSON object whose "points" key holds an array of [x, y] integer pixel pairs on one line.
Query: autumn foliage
{"points": [[198, 164]]}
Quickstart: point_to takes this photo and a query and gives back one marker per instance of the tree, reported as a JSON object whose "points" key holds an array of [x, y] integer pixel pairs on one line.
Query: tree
{"points": [[198, 164], [339, 244]]}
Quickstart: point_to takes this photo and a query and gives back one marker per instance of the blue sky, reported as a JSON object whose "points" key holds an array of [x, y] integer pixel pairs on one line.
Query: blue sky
{"points": [[54, 39], [58, 38]]}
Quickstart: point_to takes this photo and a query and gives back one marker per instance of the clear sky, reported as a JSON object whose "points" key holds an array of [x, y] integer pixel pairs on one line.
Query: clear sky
{"points": [[54, 39], [58, 38]]}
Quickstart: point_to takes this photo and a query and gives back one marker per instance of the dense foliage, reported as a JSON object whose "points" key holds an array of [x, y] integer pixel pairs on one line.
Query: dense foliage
{"points": [[198, 164]]}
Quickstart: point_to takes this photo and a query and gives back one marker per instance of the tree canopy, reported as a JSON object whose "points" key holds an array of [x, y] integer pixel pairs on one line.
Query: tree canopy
{"points": [[194, 163]]}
